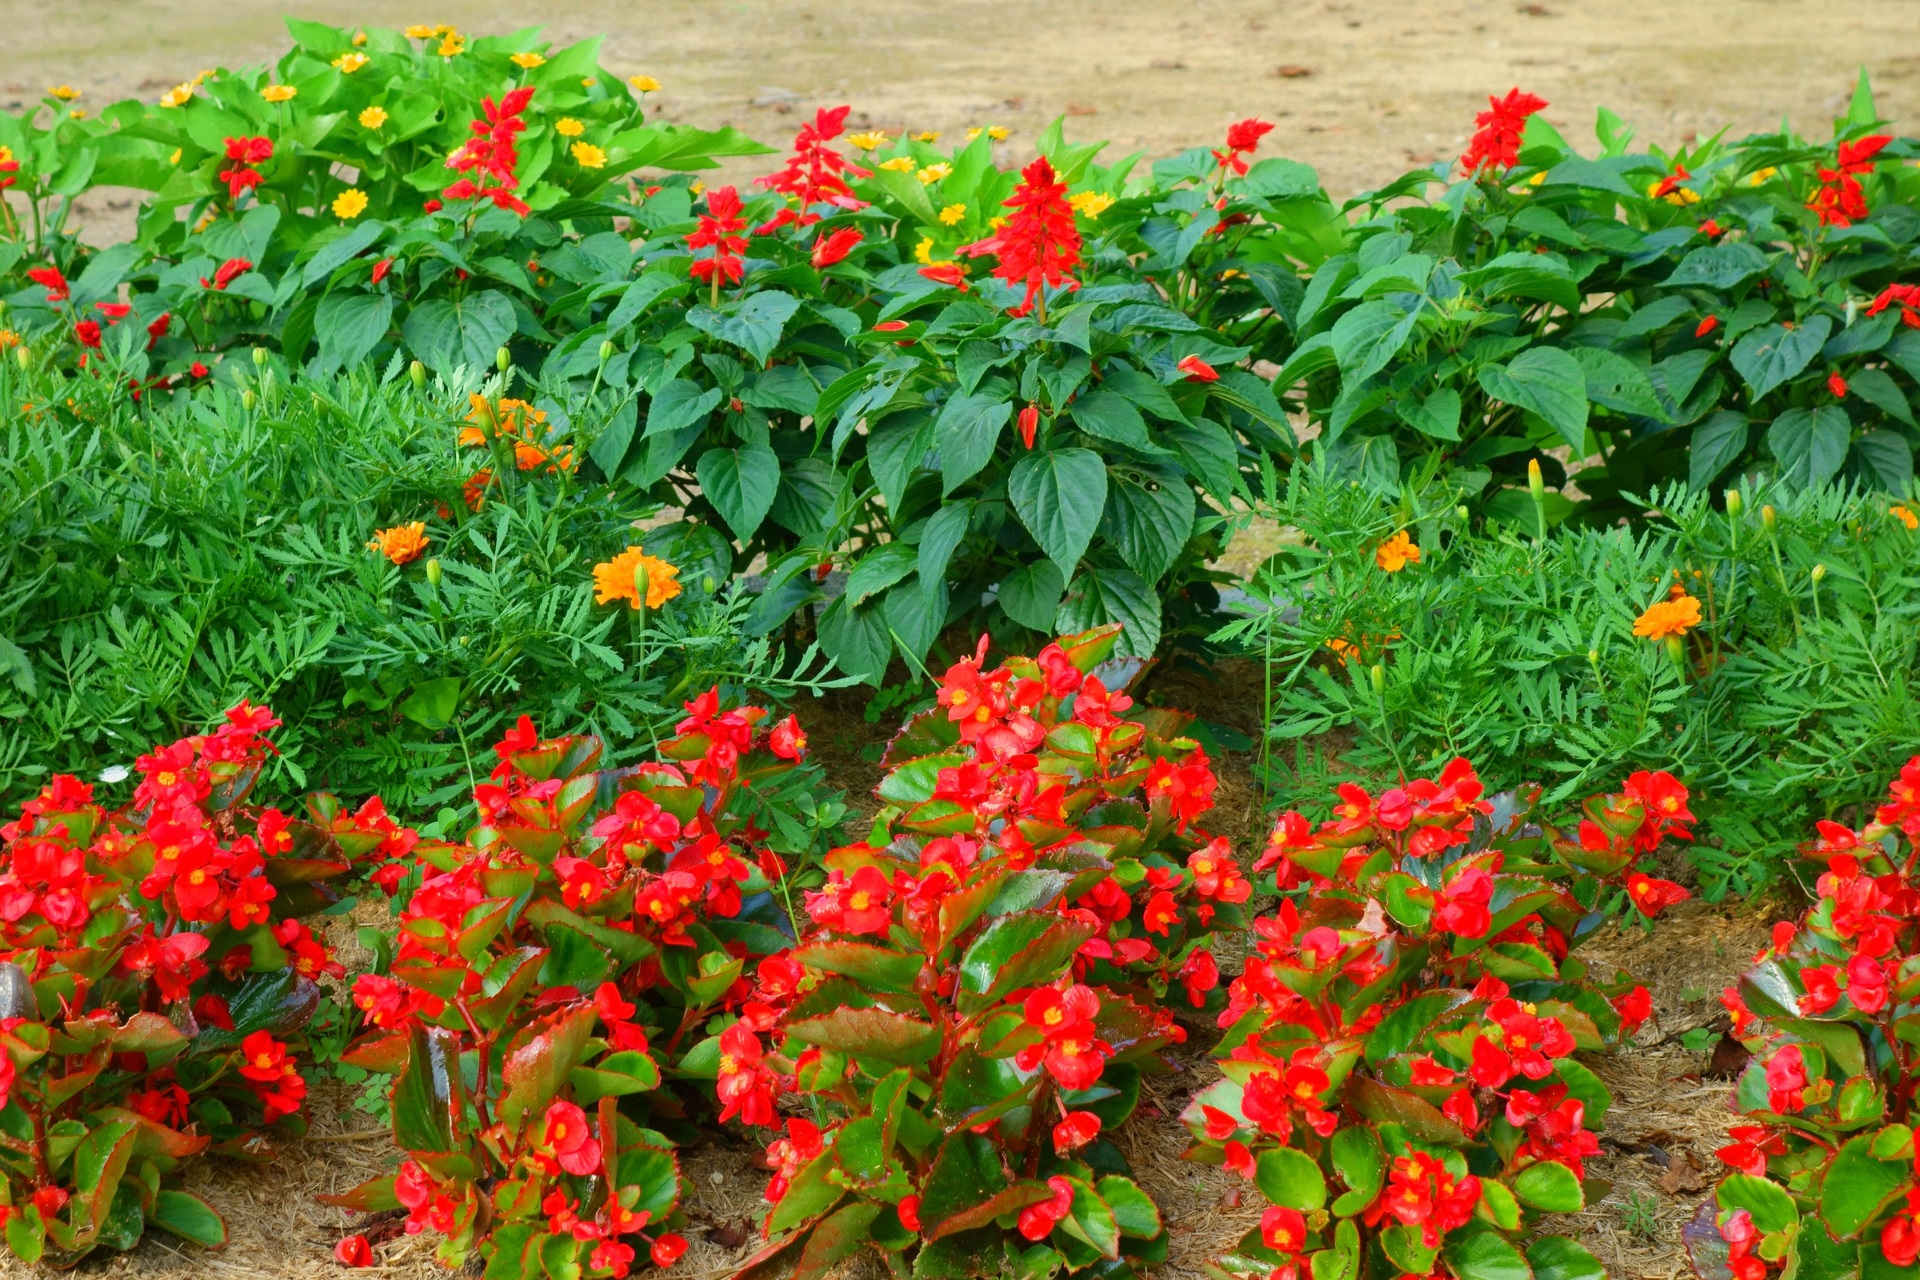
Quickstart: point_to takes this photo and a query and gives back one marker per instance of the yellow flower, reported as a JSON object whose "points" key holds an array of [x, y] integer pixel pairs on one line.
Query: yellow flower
{"points": [[359, 38], [452, 43], [373, 117], [997, 132], [1091, 204], [953, 213], [645, 84], [869, 141], [923, 252], [178, 96], [278, 92], [172, 159], [78, 114], [1760, 178], [420, 31], [930, 135], [1904, 515], [697, 187], [527, 61], [615, 579], [1537, 178], [899, 164], [587, 82], [350, 203], [589, 156], [995, 223], [64, 92], [351, 62], [1396, 553], [933, 173], [402, 543], [1671, 617], [568, 127], [974, 132]]}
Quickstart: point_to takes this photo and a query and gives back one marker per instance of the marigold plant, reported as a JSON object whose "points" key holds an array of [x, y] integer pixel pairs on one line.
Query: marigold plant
{"points": [[983, 982], [1399, 1079], [1826, 1180], [155, 986], [544, 973]]}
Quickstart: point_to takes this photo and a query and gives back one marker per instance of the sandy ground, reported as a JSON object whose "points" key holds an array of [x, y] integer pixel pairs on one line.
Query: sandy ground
{"points": [[1361, 89]]}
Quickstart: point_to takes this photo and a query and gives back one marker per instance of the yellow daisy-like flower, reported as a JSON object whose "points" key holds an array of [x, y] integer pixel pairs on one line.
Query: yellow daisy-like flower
{"points": [[278, 92], [453, 42], [869, 141], [178, 96], [64, 92], [697, 187], [930, 135], [350, 203], [953, 213], [617, 579], [420, 31], [77, 114], [568, 127], [527, 61], [1760, 178], [923, 252], [997, 132], [373, 117], [899, 164], [359, 38], [1091, 204], [1396, 553], [645, 84], [351, 62], [933, 173], [588, 156]]}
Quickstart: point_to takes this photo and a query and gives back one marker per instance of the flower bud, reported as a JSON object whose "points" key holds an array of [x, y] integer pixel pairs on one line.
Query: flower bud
{"points": [[248, 399], [259, 357], [1733, 504], [1819, 572], [640, 585], [23, 357], [1536, 485], [1461, 512], [1593, 657], [502, 360], [433, 573], [1378, 675], [418, 372], [606, 351], [1676, 650], [1767, 518]]}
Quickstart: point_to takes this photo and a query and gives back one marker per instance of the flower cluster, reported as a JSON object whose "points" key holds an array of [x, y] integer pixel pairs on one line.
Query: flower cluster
{"points": [[723, 230], [1827, 1092], [153, 980], [596, 918], [489, 158], [1039, 246], [988, 973], [1409, 1013], [812, 175], [1495, 145], [1839, 201]]}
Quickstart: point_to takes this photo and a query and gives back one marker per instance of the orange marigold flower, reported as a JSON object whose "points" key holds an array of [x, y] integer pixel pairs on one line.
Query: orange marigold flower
{"points": [[402, 543], [1904, 514], [1396, 553], [1673, 617], [614, 579]]}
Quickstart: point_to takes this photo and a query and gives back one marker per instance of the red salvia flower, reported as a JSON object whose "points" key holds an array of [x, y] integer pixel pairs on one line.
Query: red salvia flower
{"points": [[720, 229], [1840, 201], [1243, 139], [241, 176], [50, 277], [1496, 144], [813, 174], [834, 247], [1040, 245]]}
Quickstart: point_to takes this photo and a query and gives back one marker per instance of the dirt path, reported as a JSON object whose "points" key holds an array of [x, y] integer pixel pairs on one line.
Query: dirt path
{"points": [[1375, 86]]}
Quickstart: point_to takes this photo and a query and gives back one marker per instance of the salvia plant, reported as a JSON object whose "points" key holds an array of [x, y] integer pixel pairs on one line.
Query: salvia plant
{"points": [[551, 969], [1824, 1161], [156, 986], [982, 983], [1399, 1079]]}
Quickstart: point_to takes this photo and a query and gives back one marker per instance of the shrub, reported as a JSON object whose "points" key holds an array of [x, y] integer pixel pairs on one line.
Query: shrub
{"points": [[1824, 1165], [1393, 620], [545, 972], [1398, 1071], [155, 987], [984, 981]]}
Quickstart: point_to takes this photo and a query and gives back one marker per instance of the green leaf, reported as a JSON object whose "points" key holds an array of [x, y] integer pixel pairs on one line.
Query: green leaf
{"points": [[349, 325], [1768, 1202], [339, 251], [538, 1063], [1548, 382], [1148, 525], [868, 964], [1877, 388], [875, 1033], [1885, 460], [1810, 444], [1722, 266], [1857, 1187], [969, 430], [1558, 1258], [1290, 1178], [880, 569], [432, 703], [1718, 443], [1769, 356], [1109, 416], [741, 484], [419, 1103], [1549, 1186], [1031, 594], [1437, 416], [754, 325], [189, 1217], [679, 405], [1615, 382], [1060, 497], [1366, 338], [1103, 593], [1484, 1255], [1358, 1161], [856, 639], [1133, 1209], [1027, 949], [446, 334], [944, 531]]}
